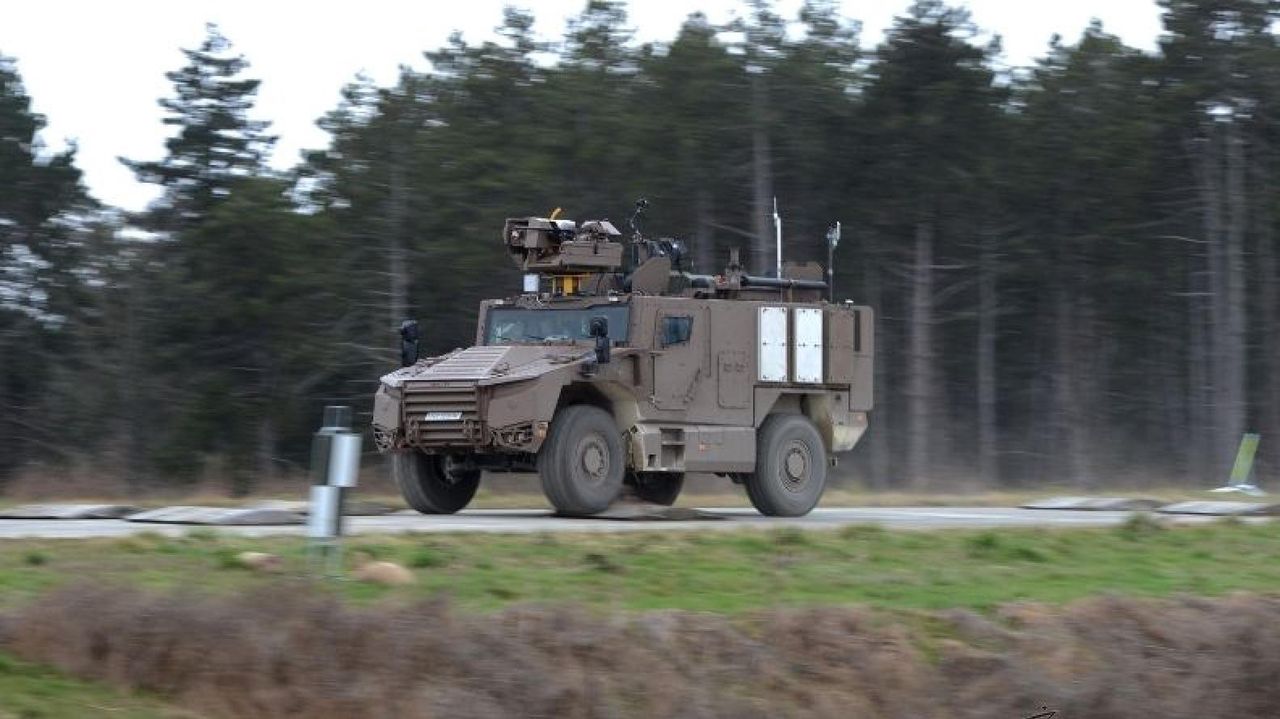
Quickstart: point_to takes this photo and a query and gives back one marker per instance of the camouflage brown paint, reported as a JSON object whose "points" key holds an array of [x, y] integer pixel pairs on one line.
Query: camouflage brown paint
{"points": [[690, 405]]}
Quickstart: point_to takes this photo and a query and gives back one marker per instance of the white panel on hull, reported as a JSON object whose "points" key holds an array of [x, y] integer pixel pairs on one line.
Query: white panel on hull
{"points": [[772, 332], [808, 345]]}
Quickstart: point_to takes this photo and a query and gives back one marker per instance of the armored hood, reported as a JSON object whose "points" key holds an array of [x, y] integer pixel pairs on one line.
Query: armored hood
{"points": [[490, 364]]}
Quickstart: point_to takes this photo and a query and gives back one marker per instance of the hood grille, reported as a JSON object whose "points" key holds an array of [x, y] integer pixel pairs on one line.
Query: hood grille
{"points": [[441, 414], [471, 363]]}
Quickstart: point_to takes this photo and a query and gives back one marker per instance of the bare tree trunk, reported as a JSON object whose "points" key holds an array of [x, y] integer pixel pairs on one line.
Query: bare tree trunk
{"points": [[704, 232], [1266, 389], [1269, 295], [921, 399], [880, 429], [761, 179], [1235, 353], [1219, 330], [1065, 415], [266, 448], [988, 459], [8, 438], [130, 378], [397, 253], [1171, 370], [1088, 354], [1196, 414]]}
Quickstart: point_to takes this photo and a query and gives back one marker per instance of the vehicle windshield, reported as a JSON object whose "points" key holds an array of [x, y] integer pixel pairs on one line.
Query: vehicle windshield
{"points": [[510, 324]]}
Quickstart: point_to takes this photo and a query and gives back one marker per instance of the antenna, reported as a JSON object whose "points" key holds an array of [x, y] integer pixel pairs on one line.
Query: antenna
{"points": [[777, 231], [641, 205], [833, 239]]}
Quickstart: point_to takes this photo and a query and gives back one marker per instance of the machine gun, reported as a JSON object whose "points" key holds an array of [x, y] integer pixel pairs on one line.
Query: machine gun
{"points": [[561, 250], [593, 258]]}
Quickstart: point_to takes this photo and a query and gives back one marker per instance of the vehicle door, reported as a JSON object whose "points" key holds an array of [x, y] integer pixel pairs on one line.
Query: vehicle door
{"points": [[679, 355]]}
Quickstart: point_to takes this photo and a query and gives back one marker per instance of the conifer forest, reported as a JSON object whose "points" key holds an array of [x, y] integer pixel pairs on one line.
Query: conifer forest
{"points": [[1075, 265]]}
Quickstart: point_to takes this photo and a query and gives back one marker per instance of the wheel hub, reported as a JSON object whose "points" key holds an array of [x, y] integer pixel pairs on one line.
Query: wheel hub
{"points": [[795, 465], [594, 458]]}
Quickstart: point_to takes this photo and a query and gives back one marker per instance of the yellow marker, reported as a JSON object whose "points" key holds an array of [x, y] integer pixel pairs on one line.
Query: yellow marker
{"points": [[568, 284], [555, 213]]}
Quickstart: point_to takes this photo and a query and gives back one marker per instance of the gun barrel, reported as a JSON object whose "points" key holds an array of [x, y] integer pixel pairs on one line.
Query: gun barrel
{"points": [[701, 281], [782, 283]]}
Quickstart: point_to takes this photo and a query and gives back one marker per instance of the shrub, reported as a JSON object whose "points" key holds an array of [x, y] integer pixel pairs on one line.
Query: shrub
{"points": [[289, 650]]}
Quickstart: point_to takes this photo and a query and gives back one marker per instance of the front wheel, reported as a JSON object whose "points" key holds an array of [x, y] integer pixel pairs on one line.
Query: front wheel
{"points": [[791, 467], [581, 462], [432, 484]]}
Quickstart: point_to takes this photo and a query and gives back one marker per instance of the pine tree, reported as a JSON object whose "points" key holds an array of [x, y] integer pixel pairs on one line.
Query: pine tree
{"points": [[39, 194], [929, 110], [197, 332], [216, 142], [1086, 132], [1212, 54], [692, 158]]}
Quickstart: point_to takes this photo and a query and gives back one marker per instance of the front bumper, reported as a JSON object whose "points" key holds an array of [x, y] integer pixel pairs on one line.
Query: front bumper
{"points": [[429, 416]]}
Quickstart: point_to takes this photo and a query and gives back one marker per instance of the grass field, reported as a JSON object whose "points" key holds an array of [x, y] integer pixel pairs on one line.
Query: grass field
{"points": [[1019, 607], [724, 572], [32, 692]]}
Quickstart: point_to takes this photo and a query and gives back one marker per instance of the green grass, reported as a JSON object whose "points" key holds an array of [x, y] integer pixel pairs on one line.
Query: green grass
{"points": [[722, 571], [31, 692]]}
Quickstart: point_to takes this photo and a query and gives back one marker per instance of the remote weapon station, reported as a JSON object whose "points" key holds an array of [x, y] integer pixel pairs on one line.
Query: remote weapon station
{"points": [[617, 370]]}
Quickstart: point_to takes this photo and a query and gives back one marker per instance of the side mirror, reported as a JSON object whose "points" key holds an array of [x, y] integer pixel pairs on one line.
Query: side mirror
{"points": [[599, 328], [408, 343]]}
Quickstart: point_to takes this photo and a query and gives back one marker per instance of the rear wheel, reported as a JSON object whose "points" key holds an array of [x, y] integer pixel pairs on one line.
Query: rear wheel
{"points": [[581, 463], [432, 483], [791, 467], [656, 487]]}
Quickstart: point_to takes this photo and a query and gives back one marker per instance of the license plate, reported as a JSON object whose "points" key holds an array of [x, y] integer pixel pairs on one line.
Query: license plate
{"points": [[441, 416]]}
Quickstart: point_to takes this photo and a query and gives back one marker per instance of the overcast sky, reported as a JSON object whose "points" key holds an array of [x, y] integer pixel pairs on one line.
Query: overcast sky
{"points": [[95, 69]]}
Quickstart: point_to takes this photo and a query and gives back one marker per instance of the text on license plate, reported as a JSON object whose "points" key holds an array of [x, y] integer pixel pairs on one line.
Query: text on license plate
{"points": [[441, 416]]}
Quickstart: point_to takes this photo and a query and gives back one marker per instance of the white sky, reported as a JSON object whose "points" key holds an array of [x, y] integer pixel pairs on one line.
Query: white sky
{"points": [[95, 69]]}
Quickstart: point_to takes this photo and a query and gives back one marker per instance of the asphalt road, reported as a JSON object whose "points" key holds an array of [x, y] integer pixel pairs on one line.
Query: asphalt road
{"points": [[522, 521]]}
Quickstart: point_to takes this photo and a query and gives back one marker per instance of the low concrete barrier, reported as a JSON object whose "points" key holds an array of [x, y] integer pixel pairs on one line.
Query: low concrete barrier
{"points": [[1222, 509], [219, 516], [67, 511], [350, 508], [1095, 504]]}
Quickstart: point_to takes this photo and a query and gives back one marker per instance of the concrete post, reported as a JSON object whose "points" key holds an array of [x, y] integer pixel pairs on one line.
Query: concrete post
{"points": [[335, 467]]}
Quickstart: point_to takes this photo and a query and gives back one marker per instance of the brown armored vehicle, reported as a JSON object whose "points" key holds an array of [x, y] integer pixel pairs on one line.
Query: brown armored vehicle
{"points": [[616, 370]]}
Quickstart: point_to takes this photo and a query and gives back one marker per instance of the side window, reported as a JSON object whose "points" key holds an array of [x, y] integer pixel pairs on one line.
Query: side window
{"points": [[676, 330]]}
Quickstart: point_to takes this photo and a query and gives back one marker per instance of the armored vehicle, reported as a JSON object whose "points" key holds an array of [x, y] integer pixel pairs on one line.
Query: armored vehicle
{"points": [[617, 370]]}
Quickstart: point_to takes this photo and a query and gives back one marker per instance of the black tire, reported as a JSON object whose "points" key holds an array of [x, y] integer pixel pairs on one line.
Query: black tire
{"points": [[791, 467], [656, 487], [581, 463], [428, 486]]}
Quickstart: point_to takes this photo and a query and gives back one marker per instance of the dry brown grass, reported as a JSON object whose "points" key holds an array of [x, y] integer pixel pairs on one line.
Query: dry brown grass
{"points": [[292, 652]]}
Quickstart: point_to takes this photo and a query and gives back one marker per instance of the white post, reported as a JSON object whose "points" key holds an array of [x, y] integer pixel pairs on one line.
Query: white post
{"points": [[335, 460]]}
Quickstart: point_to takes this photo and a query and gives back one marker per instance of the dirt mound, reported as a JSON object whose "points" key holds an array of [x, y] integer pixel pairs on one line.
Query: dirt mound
{"points": [[292, 652]]}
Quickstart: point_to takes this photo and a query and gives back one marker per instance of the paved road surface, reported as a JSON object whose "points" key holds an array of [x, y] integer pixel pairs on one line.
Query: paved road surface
{"points": [[529, 521]]}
